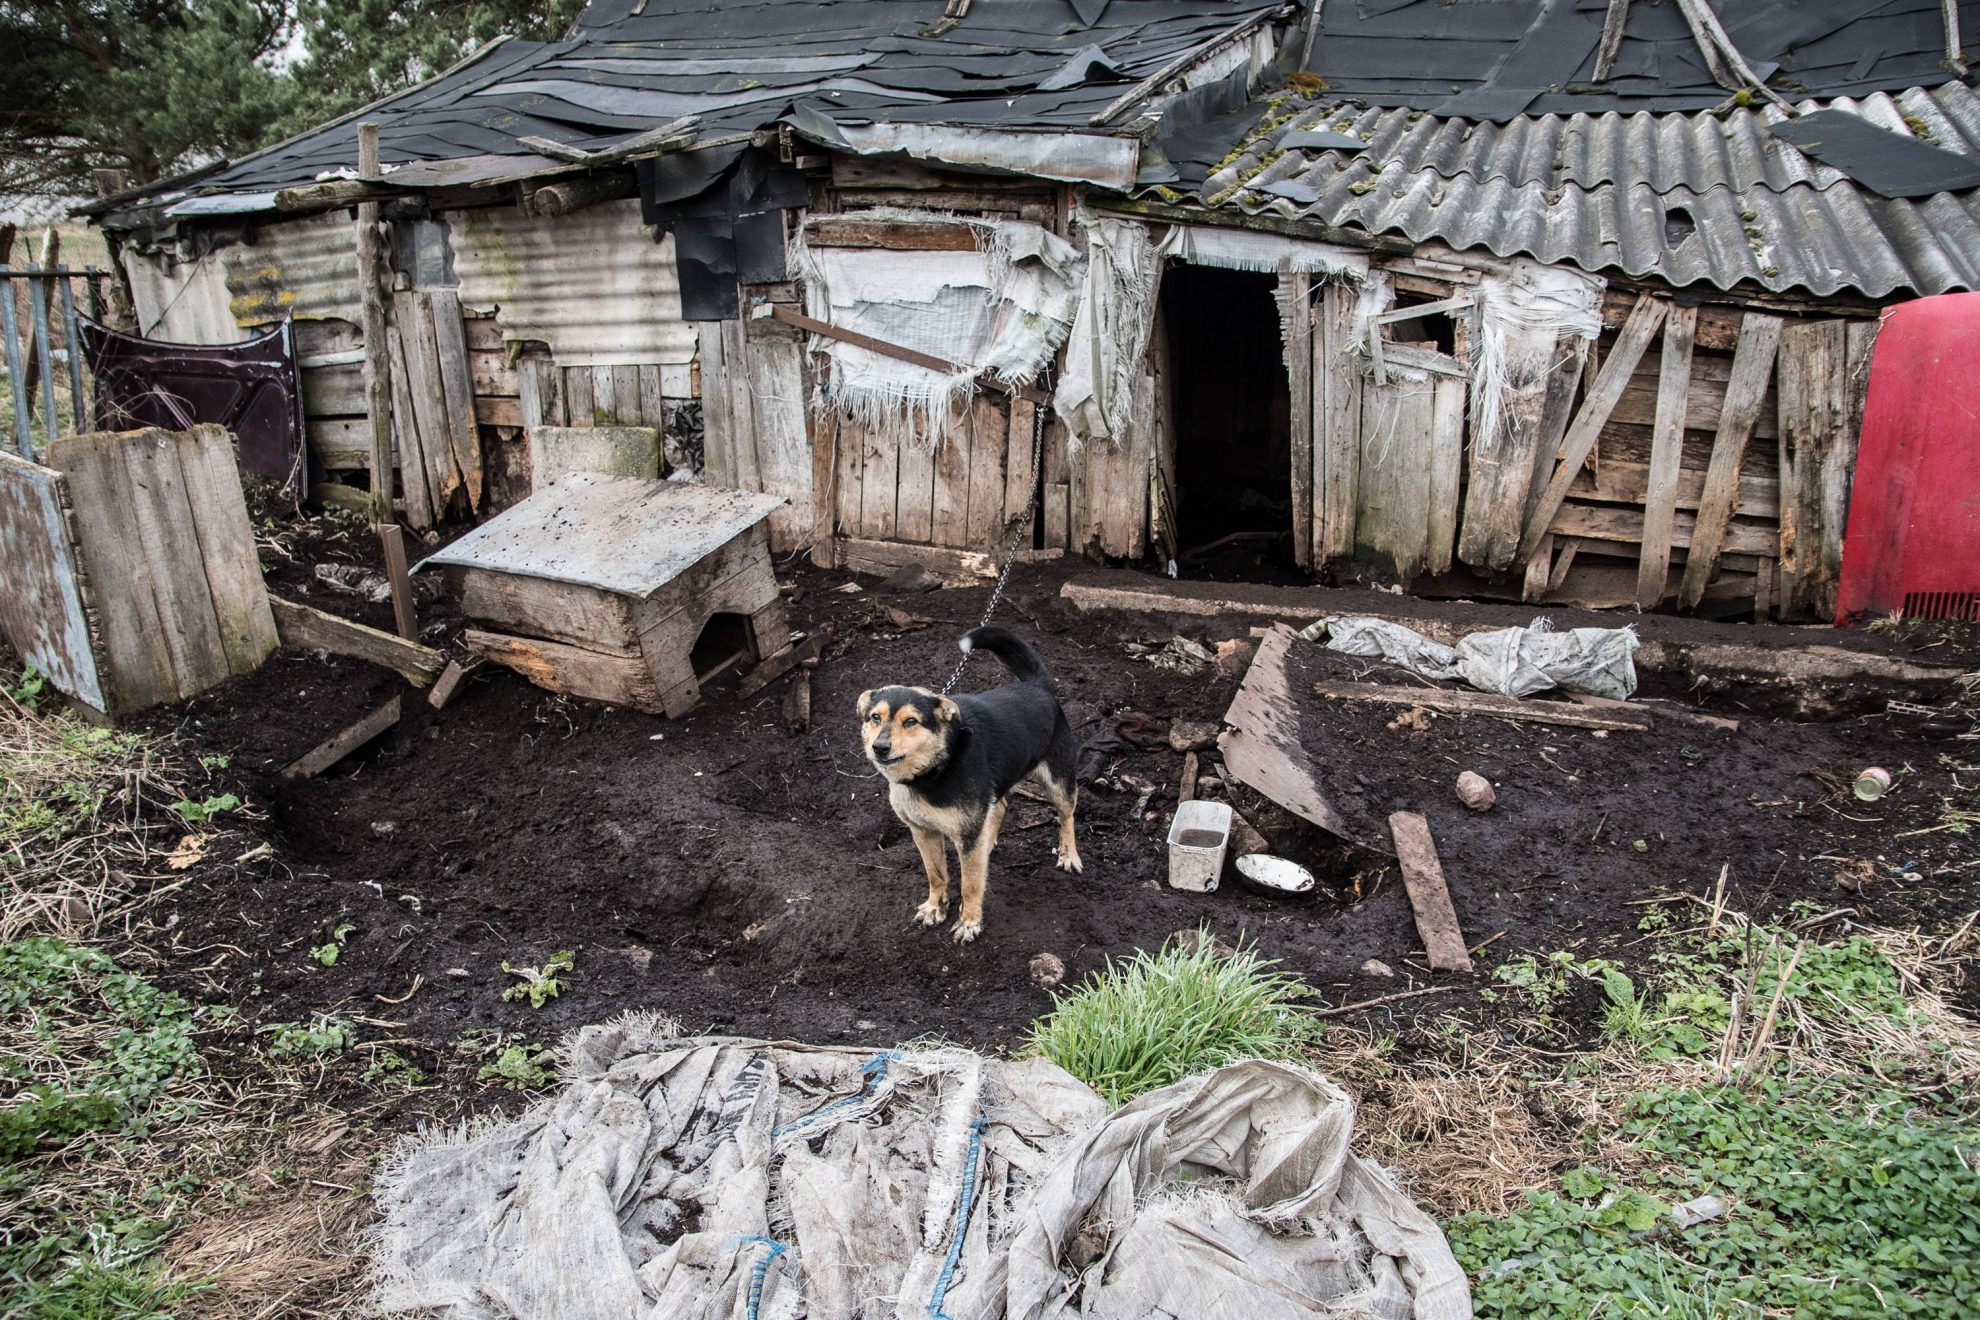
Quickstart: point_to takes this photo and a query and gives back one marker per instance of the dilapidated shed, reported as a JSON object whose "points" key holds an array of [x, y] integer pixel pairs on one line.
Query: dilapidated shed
{"points": [[1561, 300]]}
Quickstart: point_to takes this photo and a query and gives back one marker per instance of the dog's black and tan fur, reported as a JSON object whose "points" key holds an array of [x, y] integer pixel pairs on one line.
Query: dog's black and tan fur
{"points": [[952, 764]]}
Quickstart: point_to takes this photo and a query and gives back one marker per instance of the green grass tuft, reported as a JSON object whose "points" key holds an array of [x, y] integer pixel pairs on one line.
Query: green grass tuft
{"points": [[1155, 1019]]}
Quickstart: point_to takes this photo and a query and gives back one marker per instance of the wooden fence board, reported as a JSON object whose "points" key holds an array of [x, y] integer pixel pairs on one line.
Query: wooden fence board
{"points": [[1296, 314], [1818, 450], [1446, 466], [1500, 477], [1337, 406], [949, 518], [989, 443], [443, 313], [226, 546]]}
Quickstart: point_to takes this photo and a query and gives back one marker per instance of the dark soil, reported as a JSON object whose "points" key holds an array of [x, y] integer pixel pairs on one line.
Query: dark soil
{"points": [[745, 879]]}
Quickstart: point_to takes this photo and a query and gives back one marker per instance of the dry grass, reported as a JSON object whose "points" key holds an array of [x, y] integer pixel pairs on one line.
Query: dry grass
{"points": [[83, 820], [1469, 1122]]}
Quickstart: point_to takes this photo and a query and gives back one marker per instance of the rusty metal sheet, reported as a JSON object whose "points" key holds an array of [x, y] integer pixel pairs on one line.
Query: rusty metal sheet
{"points": [[254, 389], [41, 602], [629, 535]]}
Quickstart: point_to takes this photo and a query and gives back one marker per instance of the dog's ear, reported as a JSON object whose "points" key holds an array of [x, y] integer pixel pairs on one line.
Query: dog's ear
{"points": [[947, 711], [865, 702]]}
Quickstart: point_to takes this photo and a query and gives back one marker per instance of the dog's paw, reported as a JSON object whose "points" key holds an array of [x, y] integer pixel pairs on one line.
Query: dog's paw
{"points": [[1070, 862], [967, 930], [930, 913]]}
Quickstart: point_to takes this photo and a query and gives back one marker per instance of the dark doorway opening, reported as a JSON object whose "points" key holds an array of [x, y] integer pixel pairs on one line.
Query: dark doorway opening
{"points": [[1231, 411], [723, 644]]}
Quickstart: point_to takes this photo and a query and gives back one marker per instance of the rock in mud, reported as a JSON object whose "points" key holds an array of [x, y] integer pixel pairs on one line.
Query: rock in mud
{"points": [[1192, 736], [1475, 791], [1047, 971]]}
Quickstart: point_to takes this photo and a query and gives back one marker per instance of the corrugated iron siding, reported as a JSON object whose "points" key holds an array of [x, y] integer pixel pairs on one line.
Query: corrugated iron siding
{"points": [[594, 285], [304, 268], [1597, 191], [181, 302]]}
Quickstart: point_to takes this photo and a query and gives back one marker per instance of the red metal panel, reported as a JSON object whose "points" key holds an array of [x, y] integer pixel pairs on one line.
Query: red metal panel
{"points": [[253, 388], [1913, 540]]}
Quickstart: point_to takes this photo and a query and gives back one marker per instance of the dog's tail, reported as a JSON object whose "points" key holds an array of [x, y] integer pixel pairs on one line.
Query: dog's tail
{"points": [[1016, 653]]}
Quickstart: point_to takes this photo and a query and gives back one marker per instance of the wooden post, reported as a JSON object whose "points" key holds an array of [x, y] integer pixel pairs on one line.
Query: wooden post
{"points": [[374, 271], [372, 276]]}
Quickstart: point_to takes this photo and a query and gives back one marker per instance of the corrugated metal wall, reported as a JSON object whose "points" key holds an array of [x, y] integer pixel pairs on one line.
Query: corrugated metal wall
{"points": [[305, 268], [184, 302], [594, 286]]}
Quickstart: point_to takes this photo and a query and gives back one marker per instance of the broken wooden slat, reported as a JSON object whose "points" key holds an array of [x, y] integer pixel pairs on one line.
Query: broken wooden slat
{"points": [[1653, 706], [334, 749], [824, 486], [1429, 897], [1295, 296], [1393, 490], [1503, 460], [879, 480], [1458, 701], [1752, 371], [914, 491], [1262, 747], [1643, 323], [442, 310], [1666, 449], [1021, 465], [778, 665], [415, 480], [1186, 788], [450, 681], [1446, 467], [797, 702], [897, 235], [1336, 425], [1817, 452], [308, 629]]}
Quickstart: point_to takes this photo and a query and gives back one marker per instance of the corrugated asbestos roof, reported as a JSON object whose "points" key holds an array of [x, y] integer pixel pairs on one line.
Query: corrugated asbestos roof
{"points": [[1009, 64], [1690, 199]]}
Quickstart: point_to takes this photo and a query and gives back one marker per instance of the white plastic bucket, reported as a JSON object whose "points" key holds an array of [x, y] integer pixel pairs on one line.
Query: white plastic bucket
{"points": [[1197, 840]]}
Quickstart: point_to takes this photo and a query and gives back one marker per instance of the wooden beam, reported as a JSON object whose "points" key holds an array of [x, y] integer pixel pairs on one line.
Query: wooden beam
{"points": [[1752, 370], [1392, 245], [855, 231], [1461, 701], [790, 316], [1616, 370], [1148, 86], [1429, 897], [308, 629], [1653, 563], [1612, 36], [1296, 314], [334, 749]]}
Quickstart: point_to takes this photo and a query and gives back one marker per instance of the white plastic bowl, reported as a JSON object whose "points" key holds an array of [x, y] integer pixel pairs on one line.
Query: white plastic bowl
{"points": [[1276, 875]]}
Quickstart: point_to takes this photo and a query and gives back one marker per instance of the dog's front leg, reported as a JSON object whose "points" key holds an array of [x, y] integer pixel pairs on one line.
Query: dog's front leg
{"points": [[935, 861], [975, 879]]}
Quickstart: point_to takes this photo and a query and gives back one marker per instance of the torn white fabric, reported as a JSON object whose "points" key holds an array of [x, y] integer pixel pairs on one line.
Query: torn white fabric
{"points": [[1521, 316], [716, 1177], [1514, 662], [1110, 331], [1003, 310]]}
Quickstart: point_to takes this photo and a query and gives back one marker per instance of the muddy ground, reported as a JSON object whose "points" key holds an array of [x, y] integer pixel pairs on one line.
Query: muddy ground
{"points": [[743, 878]]}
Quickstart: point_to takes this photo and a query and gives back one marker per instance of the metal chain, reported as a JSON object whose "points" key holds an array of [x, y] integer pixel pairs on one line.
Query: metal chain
{"points": [[1018, 534]]}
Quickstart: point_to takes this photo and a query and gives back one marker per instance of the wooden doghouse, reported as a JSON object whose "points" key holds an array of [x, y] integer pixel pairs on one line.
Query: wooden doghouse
{"points": [[622, 589]]}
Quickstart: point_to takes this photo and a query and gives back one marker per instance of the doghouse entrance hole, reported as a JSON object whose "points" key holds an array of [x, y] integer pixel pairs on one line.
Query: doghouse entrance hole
{"points": [[1232, 415], [723, 644]]}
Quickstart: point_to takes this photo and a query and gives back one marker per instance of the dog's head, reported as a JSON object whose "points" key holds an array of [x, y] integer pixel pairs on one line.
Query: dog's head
{"points": [[906, 730]]}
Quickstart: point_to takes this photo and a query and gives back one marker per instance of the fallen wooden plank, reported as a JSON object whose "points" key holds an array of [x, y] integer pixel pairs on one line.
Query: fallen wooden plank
{"points": [[1661, 709], [1186, 790], [956, 566], [1460, 701], [1262, 747], [309, 629], [619, 680], [778, 665], [797, 702], [1429, 897], [332, 750]]}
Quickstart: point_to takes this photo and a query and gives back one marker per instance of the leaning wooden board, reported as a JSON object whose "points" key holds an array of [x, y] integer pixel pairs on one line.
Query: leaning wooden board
{"points": [[1262, 748]]}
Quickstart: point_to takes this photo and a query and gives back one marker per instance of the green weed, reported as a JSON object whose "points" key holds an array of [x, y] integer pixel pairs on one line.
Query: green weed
{"points": [[1155, 1019], [390, 1068], [199, 813], [539, 985], [96, 1047], [327, 954], [321, 1037], [524, 1066]]}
